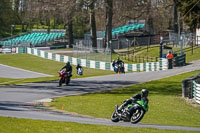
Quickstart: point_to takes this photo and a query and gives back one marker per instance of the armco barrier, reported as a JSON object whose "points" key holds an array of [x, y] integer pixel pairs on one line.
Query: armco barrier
{"points": [[151, 66], [196, 92], [191, 88], [179, 60]]}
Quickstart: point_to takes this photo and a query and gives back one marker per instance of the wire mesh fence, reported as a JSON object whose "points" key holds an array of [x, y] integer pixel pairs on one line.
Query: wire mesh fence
{"points": [[181, 41], [91, 53]]}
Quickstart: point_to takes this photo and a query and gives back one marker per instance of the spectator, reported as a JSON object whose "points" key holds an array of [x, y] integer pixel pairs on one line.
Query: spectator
{"points": [[170, 60], [31, 45]]}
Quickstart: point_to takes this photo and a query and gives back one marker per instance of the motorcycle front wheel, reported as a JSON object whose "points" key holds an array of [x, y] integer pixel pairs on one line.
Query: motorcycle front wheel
{"points": [[137, 116], [67, 81], [114, 117], [60, 82]]}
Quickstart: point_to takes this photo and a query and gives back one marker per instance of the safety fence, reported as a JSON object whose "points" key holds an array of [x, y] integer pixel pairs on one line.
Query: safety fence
{"points": [[91, 53], [191, 88], [196, 92], [150, 66], [180, 60], [137, 59]]}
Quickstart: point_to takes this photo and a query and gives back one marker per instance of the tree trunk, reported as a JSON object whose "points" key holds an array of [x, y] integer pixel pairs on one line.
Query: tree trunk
{"points": [[93, 25], [109, 14], [54, 23], [48, 24], [175, 19], [180, 23], [70, 31], [22, 23], [149, 18]]}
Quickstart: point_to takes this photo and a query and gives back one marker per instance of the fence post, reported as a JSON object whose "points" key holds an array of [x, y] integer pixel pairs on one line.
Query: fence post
{"points": [[139, 59], [135, 59], [131, 58]]}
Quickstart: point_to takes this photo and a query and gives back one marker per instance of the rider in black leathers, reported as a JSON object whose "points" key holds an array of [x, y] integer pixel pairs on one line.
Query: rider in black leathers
{"points": [[68, 68], [121, 64], [77, 67], [136, 97], [118, 61]]}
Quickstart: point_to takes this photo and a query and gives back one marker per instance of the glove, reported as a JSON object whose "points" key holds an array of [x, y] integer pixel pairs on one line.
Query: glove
{"points": [[125, 101]]}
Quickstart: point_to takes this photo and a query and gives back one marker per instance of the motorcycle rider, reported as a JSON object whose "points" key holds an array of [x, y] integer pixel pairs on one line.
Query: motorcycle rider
{"points": [[115, 68], [77, 69], [113, 63], [137, 97], [120, 63], [68, 68]]}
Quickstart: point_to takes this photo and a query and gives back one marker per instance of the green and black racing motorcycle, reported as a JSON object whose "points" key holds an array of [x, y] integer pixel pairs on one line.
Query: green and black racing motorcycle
{"points": [[138, 109]]}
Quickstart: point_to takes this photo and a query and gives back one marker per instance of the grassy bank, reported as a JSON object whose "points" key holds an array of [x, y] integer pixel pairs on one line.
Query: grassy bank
{"points": [[166, 105], [13, 125], [153, 51], [41, 65]]}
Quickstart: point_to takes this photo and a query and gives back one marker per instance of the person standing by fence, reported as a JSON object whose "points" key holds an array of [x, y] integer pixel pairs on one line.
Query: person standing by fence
{"points": [[170, 60]]}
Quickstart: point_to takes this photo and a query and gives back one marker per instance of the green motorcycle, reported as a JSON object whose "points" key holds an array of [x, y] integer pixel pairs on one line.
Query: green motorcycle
{"points": [[133, 112]]}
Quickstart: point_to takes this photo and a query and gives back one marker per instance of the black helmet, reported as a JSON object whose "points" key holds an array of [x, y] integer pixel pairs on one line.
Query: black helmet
{"points": [[68, 63], [144, 92]]}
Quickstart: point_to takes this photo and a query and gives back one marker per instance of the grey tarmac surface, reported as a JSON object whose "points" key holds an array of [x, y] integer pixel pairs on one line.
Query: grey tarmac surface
{"points": [[16, 100], [17, 73]]}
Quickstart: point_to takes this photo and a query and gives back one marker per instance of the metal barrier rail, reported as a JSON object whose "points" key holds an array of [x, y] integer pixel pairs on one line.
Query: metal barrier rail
{"points": [[180, 60], [196, 92], [191, 88], [150, 66]]}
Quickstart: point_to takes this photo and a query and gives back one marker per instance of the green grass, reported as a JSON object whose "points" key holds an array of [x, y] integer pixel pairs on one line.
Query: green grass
{"points": [[13, 125], [166, 105], [3, 80], [41, 65], [153, 51], [192, 56]]}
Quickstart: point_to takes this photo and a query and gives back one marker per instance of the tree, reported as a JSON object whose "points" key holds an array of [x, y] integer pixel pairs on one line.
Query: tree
{"points": [[47, 10], [6, 20], [109, 14], [175, 18], [190, 12], [93, 31]]}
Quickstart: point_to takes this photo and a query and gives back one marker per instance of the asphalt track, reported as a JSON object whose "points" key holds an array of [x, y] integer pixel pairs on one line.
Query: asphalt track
{"points": [[17, 73], [16, 100]]}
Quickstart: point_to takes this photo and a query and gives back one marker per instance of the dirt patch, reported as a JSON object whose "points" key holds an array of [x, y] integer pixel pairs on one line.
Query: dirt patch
{"points": [[192, 102]]}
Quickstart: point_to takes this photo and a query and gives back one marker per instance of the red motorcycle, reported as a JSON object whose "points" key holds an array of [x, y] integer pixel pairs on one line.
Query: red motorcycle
{"points": [[64, 77]]}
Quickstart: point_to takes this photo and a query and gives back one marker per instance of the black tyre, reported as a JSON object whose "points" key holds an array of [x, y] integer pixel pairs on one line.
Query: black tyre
{"points": [[60, 82], [67, 81], [114, 117], [137, 116]]}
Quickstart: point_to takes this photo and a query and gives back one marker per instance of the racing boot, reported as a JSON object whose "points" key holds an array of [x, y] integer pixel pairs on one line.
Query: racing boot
{"points": [[126, 116]]}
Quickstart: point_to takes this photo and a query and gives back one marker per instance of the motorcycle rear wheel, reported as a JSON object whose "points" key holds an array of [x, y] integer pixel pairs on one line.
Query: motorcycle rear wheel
{"points": [[137, 116], [114, 117]]}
